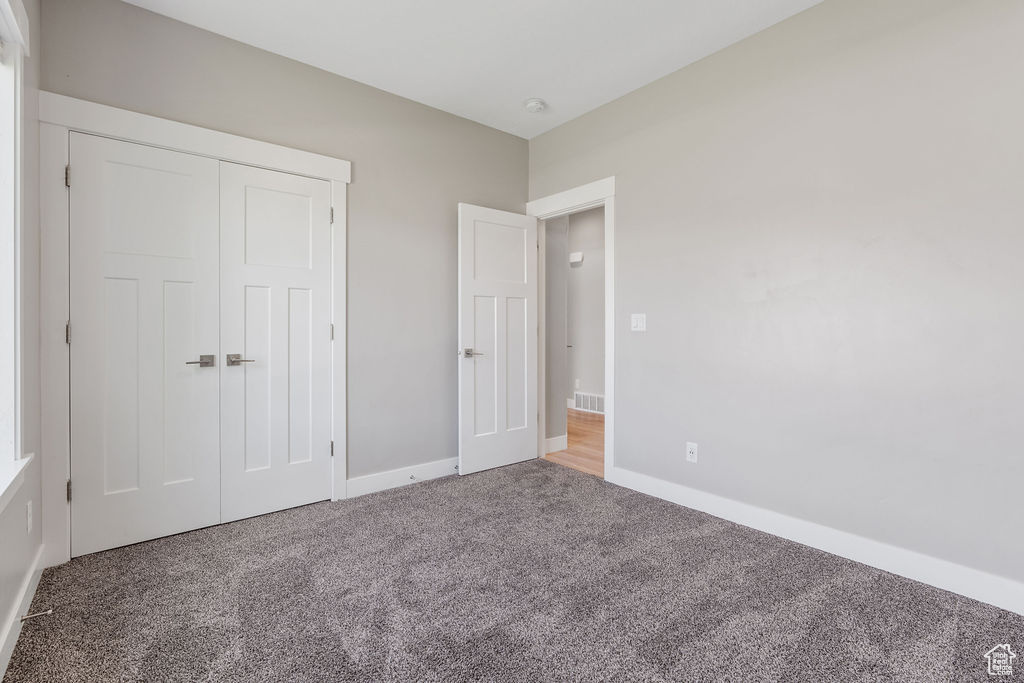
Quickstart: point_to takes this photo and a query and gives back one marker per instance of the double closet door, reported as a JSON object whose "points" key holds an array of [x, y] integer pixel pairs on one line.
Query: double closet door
{"points": [[201, 342]]}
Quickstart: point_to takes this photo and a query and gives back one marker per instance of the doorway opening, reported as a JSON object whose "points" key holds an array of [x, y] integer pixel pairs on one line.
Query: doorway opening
{"points": [[503, 379], [574, 344]]}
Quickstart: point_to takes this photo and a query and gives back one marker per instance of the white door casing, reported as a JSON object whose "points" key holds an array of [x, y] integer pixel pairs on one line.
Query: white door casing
{"points": [[144, 300], [276, 313], [497, 338]]}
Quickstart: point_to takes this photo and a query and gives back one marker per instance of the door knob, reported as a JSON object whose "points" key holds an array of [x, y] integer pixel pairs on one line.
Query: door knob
{"points": [[236, 359], [207, 360], [470, 353]]}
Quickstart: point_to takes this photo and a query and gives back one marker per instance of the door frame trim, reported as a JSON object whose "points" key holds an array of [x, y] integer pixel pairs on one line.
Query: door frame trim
{"points": [[58, 117], [589, 196]]}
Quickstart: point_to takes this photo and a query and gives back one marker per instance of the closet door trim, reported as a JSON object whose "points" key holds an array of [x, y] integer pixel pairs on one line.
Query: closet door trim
{"points": [[59, 116]]}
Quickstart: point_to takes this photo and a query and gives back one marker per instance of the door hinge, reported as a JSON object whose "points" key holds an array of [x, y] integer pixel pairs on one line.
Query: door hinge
{"points": [[332, 449], [69, 490], [67, 332], [332, 331], [67, 176], [332, 215]]}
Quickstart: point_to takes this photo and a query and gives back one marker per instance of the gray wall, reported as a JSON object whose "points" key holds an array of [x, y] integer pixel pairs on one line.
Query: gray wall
{"points": [[556, 293], [18, 547], [823, 224], [411, 166], [586, 303]]}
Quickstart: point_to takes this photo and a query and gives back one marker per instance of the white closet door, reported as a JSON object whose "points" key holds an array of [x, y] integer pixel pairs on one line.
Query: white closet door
{"points": [[144, 306], [276, 303]]}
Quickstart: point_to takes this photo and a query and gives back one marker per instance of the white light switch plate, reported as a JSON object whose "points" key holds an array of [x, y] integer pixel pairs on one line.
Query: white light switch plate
{"points": [[691, 452], [638, 322]]}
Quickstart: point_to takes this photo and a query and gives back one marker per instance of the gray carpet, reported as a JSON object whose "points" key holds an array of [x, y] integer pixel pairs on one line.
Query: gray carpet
{"points": [[531, 573]]}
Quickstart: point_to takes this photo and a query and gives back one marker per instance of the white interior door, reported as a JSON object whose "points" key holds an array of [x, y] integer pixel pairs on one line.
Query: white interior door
{"points": [[276, 303], [497, 338], [144, 305]]}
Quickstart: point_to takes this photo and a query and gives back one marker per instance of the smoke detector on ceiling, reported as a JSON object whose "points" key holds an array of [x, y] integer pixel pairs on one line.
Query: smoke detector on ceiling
{"points": [[535, 105]]}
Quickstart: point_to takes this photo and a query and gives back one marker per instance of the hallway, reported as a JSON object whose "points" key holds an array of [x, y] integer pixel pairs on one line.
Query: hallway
{"points": [[586, 444]]}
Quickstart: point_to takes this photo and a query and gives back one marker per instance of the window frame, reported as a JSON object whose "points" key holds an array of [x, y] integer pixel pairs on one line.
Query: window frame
{"points": [[10, 246], [13, 49]]}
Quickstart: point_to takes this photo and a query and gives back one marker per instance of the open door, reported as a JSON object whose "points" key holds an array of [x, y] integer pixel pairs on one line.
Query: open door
{"points": [[497, 338]]}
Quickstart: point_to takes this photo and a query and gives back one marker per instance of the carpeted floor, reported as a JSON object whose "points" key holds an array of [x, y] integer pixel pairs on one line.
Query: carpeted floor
{"points": [[533, 572]]}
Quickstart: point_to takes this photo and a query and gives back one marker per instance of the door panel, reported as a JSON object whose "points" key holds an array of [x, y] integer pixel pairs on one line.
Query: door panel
{"points": [[144, 302], [498, 322], [517, 359], [276, 303]]}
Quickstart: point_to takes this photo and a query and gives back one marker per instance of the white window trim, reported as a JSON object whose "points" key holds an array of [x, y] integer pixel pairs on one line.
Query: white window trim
{"points": [[14, 41], [14, 24], [12, 474]]}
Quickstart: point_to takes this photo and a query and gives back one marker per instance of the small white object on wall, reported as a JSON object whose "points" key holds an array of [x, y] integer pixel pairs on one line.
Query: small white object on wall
{"points": [[575, 258], [638, 322]]}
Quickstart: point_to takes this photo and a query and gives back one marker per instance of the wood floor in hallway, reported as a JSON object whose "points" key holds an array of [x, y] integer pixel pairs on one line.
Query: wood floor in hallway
{"points": [[586, 444]]}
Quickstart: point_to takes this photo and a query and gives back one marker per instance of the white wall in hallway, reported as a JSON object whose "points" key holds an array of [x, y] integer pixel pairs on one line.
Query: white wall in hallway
{"points": [[585, 308], [556, 283]]}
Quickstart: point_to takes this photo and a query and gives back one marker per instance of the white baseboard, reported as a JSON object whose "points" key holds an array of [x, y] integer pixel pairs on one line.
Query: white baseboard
{"points": [[972, 583], [12, 627], [556, 443], [380, 481]]}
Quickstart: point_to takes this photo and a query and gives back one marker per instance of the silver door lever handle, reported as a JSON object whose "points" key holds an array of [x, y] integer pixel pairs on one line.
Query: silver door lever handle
{"points": [[236, 359], [205, 361], [470, 353]]}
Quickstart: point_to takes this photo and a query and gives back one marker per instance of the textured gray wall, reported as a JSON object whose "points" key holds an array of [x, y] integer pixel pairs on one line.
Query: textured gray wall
{"points": [[556, 359], [586, 303], [411, 166], [823, 224]]}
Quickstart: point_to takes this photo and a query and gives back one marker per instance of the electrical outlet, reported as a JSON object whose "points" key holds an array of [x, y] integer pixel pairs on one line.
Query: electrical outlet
{"points": [[691, 452], [638, 322], [577, 382], [28, 517]]}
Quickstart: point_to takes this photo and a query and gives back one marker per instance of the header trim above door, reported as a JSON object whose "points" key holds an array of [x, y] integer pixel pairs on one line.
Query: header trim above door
{"points": [[99, 119], [589, 196]]}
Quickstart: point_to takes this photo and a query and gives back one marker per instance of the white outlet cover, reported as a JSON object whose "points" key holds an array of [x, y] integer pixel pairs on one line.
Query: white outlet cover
{"points": [[638, 322], [691, 452]]}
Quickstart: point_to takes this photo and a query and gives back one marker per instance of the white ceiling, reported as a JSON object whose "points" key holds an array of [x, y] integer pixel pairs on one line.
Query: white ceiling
{"points": [[482, 58]]}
